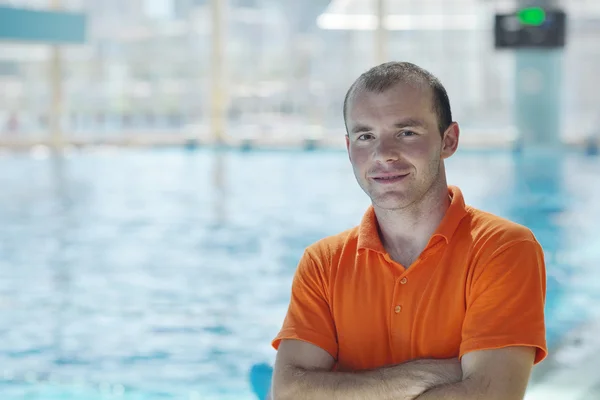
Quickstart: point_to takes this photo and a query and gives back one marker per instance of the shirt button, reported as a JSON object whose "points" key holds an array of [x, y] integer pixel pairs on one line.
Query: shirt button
{"points": [[403, 281], [397, 309]]}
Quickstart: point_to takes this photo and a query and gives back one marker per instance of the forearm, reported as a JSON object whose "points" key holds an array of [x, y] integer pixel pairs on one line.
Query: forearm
{"points": [[470, 388], [453, 391], [499, 374], [401, 382], [317, 385]]}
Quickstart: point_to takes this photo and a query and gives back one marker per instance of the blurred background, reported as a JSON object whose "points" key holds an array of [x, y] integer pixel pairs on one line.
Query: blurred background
{"points": [[164, 163]]}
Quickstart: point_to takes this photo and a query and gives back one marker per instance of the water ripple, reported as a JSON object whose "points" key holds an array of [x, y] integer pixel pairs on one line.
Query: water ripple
{"points": [[138, 273]]}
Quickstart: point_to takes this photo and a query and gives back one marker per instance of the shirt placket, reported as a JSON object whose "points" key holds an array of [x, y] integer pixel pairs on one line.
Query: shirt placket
{"points": [[402, 311]]}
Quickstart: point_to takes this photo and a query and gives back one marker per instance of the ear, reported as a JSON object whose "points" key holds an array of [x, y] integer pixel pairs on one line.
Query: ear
{"points": [[450, 140]]}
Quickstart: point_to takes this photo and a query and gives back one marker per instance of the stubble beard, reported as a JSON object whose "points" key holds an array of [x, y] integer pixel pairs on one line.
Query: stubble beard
{"points": [[412, 193]]}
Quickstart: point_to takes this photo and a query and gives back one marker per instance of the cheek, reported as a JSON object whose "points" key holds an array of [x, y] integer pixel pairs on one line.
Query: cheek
{"points": [[359, 157], [419, 151]]}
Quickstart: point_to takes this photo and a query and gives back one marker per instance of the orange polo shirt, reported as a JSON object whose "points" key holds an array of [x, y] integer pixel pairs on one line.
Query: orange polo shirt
{"points": [[479, 284]]}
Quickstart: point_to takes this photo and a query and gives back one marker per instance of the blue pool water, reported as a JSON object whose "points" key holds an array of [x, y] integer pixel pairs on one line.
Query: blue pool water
{"points": [[164, 274]]}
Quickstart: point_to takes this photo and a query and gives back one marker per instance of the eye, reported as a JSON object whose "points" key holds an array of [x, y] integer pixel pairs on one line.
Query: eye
{"points": [[365, 136], [407, 133]]}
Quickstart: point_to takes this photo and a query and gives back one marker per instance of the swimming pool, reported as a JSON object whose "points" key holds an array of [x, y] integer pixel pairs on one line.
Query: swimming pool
{"points": [[164, 274]]}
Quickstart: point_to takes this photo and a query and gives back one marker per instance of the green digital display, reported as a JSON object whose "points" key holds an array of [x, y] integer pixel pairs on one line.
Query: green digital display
{"points": [[532, 16]]}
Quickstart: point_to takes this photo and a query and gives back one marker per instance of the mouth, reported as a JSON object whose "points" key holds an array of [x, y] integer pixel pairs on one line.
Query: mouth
{"points": [[389, 178]]}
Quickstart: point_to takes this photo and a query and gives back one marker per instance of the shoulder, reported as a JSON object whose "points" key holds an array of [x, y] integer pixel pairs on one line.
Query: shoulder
{"points": [[495, 240], [330, 248], [485, 228], [320, 261]]}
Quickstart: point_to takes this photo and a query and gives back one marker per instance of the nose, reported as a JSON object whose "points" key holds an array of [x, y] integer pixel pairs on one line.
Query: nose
{"points": [[386, 151]]}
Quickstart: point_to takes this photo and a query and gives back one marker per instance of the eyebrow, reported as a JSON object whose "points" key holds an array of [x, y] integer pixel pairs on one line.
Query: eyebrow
{"points": [[409, 122], [360, 128]]}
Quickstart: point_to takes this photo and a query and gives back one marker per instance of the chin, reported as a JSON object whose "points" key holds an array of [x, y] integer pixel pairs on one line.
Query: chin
{"points": [[391, 201]]}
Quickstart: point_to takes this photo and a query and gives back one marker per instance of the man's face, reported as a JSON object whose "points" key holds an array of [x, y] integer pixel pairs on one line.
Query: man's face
{"points": [[394, 144]]}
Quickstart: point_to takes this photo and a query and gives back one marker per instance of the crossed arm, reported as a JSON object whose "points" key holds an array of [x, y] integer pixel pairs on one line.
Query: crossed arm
{"points": [[303, 371]]}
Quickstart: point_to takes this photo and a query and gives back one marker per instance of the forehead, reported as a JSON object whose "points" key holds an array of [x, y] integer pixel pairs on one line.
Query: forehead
{"points": [[399, 101]]}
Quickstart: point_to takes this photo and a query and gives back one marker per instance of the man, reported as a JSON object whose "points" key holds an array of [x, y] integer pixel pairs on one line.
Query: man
{"points": [[427, 298]]}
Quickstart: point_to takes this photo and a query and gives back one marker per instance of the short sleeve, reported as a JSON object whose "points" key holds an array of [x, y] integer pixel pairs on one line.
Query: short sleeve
{"points": [[506, 299], [309, 315]]}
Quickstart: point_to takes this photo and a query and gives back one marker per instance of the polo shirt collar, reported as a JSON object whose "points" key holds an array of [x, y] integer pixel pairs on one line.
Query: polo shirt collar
{"points": [[368, 233]]}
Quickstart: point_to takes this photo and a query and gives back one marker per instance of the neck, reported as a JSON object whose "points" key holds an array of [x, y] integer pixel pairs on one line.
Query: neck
{"points": [[406, 232]]}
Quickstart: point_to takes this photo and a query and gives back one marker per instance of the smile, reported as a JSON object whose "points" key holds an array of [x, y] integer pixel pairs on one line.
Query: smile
{"points": [[389, 178]]}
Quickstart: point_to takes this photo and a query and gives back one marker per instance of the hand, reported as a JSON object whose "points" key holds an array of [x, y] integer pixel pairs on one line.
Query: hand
{"points": [[452, 366], [424, 375]]}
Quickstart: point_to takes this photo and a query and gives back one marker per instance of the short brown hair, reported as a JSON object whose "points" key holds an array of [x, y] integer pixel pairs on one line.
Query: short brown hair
{"points": [[382, 77]]}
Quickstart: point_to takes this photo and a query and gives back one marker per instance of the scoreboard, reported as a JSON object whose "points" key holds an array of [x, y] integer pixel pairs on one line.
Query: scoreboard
{"points": [[531, 27]]}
